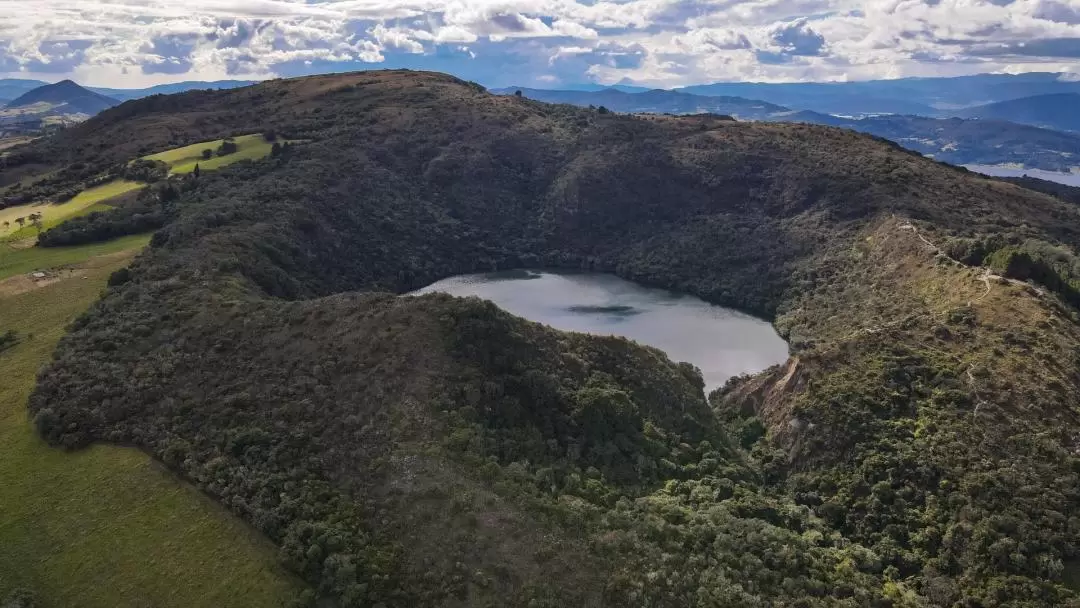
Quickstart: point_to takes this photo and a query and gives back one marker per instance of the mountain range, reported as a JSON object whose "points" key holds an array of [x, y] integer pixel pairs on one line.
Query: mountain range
{"points": [[1059, 111], [922, 96], [11, 88], [988, 140]]}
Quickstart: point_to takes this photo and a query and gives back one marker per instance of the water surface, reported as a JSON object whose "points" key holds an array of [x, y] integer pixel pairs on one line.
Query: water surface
{"points": [[1069, 179], [720, 341]]}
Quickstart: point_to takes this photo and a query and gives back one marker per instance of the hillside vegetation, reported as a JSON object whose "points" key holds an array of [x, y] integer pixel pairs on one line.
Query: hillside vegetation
{"points": [[919, 448], [107, 526]]}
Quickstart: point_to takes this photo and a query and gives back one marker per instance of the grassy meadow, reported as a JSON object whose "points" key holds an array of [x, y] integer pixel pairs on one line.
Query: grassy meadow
{"points": [[104, 526], [183, 160], [180, 160], [53, 214]]}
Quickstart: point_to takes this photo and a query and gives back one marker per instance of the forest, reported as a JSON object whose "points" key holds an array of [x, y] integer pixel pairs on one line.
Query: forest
{"points": [[920, 448]]}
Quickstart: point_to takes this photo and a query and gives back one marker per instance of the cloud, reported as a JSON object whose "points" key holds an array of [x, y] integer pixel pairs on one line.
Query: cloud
{"points": [[501, 42]]}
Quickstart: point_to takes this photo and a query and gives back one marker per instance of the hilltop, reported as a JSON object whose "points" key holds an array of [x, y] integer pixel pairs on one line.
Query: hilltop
{"points": [[919, 447], [64, 97]]}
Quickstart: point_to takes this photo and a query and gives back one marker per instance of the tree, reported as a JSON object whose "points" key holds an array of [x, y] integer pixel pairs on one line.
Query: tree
{"points": [[517, 93], [195, 171], [21, 221], [227, 147], [35, 221], [207, 154], [275, 150], [270, 135], [603, 110], [7, 225]]}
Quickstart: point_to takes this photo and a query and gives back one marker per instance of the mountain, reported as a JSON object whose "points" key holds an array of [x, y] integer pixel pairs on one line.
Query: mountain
{"points": [[10, 88], [917, 449], [167, 89], [989, 142], [918, 96], [655, 101], [827, 98], [1059, 111], [962, 142], [64, 97]]}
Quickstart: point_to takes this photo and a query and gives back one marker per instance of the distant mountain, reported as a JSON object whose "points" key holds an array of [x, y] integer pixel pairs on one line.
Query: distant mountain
{"points": [[168, 89], [1056, 111], [953, 140], [10, 88], [64, 97], [919, 96], [962, 142], [591, 87], [657, 101], [828, 98]]}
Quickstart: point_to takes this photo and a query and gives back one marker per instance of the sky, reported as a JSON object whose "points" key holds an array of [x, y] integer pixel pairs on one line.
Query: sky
{"points": [[544, 43]]}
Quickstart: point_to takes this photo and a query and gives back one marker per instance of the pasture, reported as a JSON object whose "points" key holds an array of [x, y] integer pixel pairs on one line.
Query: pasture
{"points": [[105, 526], [54, 213], [183, 160]]}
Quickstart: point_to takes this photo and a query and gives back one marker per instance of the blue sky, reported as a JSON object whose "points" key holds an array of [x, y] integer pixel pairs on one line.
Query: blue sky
{"points": [[548, 43]]}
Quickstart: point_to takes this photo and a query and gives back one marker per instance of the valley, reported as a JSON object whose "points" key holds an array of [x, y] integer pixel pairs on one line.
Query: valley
{"points": [[916, 447]]}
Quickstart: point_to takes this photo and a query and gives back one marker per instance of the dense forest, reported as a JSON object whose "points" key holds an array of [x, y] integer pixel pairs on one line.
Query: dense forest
{"points": [[920, 447]]}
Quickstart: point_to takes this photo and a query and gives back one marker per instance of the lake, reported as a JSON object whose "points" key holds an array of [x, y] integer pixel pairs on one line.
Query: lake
{"points": [[720, 341], [1069, 179]]}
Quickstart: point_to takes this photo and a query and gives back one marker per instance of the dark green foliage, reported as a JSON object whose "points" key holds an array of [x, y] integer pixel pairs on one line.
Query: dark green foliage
{"points": [[152, 209], [1053, 267], [1066, 193], [8, 339], [438, 451], [19, 598], [119, 277], [207, 154], [148, 171], [227, 147]]}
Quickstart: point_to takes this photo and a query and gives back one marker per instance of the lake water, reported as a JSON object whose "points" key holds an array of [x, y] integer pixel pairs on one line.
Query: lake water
{"points": [[721, 342], [1069, 179]]}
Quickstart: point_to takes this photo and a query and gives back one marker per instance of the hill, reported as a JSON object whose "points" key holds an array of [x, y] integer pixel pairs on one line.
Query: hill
{"points": [[654, 101], [990, 142], [1058, 111], [172, 87], [919, 448]]}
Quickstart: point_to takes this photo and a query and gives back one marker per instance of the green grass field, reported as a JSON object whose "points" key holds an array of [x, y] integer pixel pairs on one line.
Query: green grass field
{"points": [[183, 160], [106, 526], [180, 160], [53, 214], [19, 261]]}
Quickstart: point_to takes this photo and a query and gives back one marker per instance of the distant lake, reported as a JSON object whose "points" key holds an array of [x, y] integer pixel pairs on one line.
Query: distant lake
{"points": [[720, 341], [1069, 179]]}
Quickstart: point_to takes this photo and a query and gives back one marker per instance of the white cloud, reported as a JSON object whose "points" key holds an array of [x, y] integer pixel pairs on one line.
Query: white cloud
{"points": [[656, 42]]}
